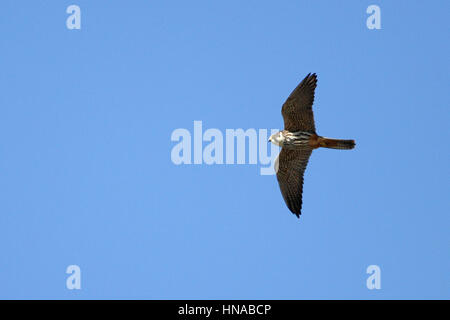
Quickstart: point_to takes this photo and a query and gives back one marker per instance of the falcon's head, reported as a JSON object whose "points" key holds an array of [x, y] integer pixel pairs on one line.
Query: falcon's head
{"points": [[277, 138]]}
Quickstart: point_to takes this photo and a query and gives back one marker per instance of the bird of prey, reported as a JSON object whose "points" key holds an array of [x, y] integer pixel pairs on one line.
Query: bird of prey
{"points": [[297, 141]]}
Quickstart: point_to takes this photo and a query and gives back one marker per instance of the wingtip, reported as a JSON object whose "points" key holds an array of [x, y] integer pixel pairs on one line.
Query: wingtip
{"points": [[311, 78]]}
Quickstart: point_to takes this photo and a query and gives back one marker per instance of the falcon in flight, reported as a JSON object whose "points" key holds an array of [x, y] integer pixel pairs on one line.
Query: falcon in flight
{"points": [[297, 141]]}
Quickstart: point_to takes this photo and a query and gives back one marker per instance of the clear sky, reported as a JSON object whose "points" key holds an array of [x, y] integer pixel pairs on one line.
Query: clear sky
{"points": [[87, 179]]}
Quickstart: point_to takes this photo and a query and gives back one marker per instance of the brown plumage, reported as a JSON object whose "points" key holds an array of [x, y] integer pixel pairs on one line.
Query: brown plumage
{"points": [[298, 140], [297, 110], [291, 166]]}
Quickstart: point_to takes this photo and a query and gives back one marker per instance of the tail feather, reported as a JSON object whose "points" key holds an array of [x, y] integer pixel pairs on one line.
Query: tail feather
{"points": [[336, 143]]}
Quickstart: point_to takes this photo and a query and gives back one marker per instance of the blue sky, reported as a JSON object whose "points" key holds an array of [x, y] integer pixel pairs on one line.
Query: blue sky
{"points": [[87, 179]]}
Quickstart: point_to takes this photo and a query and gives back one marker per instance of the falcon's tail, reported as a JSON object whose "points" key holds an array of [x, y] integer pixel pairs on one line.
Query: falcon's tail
{"points": [[336, 143]]}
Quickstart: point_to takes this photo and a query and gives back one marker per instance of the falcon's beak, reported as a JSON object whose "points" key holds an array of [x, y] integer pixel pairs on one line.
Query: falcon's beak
{"points": [[270, 139]]}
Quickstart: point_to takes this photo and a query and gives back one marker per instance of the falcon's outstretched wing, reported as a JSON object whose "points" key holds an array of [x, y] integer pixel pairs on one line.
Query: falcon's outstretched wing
{"points": [[291, 166], [297, 110]]}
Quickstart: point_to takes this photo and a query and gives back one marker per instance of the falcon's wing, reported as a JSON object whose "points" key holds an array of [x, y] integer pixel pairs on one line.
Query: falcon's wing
{"points": [[291, 166], [297, 110]]}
